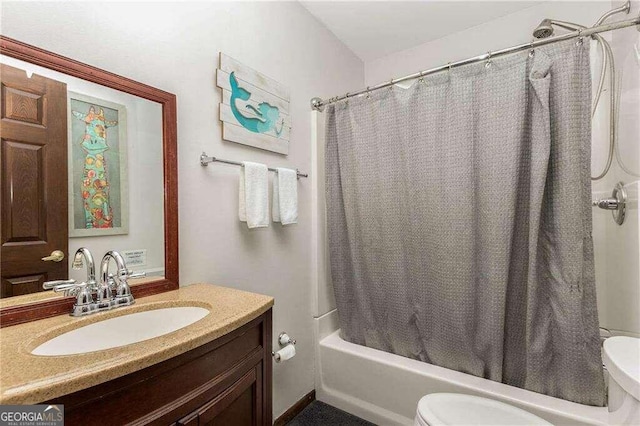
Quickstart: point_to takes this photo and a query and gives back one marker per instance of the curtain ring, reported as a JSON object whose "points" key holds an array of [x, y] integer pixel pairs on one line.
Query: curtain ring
{"points": [[488, 63], [368, 94], [391, 84], [449, 69], [580, 41], [532, 52], [421, 77]]}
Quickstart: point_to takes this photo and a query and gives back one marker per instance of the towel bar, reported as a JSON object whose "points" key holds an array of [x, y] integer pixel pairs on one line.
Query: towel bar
{"points": [[205, 160]]}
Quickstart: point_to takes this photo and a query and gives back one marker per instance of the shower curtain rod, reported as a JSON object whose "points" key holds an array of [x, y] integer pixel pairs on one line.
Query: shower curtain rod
{"points": [[318, 104]]}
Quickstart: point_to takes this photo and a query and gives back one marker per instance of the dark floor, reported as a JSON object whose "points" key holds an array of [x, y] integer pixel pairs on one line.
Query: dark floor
{"points": [[320, 414]]}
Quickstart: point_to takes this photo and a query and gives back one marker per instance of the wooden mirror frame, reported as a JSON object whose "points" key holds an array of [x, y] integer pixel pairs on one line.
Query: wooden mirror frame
{"points": [[21, 313]]}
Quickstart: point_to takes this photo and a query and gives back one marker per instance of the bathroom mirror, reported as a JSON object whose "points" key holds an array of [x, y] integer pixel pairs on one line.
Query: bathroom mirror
{"points": [[88, 160]]}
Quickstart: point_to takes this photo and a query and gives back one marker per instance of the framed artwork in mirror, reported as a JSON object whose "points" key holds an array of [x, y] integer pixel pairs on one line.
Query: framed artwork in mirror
{"points": [[98, 184]]}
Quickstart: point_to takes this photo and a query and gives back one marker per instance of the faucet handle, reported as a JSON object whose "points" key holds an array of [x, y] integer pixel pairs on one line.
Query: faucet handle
{"points": [[133, 275], [52, 285], [69, 289], [65, 287]]}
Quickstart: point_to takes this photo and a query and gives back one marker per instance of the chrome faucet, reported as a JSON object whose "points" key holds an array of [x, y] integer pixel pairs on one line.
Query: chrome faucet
{"points": [[123, 295], [104, 265], [83, 292], [82, 256], [104, 289]]}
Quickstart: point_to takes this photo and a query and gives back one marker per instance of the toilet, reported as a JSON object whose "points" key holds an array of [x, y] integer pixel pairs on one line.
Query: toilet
{"points": [[621, 357], [459, 409]]}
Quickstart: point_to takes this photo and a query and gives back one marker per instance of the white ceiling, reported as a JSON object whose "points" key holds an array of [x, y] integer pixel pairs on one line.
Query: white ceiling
{"points": [[373, 29]]}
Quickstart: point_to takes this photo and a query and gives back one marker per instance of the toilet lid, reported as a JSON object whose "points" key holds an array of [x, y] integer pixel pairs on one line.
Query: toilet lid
{"points": [[458, 409]]}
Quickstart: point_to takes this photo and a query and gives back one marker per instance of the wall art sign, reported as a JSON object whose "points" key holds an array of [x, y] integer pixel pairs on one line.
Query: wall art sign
{"points": [[98, 196], [255, 108]]}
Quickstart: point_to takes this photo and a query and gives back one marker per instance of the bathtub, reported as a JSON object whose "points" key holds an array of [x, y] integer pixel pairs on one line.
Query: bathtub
{"points": [[385, 388]]}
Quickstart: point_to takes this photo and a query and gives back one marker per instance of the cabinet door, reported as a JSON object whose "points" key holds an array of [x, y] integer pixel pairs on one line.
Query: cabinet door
{"points": [[238, 405]]}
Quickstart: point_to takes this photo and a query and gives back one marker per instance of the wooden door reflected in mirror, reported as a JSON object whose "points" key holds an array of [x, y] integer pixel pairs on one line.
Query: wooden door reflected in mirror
{"points": [[33, 185]]}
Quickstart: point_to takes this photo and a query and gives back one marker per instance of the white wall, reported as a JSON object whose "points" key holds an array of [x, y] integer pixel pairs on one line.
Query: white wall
{"points": [[508, 30], [175, 48], [616, 247]]}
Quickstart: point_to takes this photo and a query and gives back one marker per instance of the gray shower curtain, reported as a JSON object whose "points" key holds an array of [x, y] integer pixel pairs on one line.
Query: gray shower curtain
{"points": [[459, 221]]}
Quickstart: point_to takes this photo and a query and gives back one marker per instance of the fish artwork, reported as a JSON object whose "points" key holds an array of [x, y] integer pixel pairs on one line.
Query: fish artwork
{"points": [[95, 181], [266, 118]]}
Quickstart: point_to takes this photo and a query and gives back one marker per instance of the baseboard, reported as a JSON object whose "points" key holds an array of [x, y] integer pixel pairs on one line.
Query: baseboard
{"points": [[288, 415], [363, 409]]}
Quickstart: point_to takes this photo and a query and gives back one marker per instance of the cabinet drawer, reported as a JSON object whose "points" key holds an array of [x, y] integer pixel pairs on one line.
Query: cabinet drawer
{"points": [[239, 405]]}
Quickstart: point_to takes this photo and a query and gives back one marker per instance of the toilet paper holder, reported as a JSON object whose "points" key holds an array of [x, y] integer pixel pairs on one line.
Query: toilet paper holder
{"points": [[283, 340]]}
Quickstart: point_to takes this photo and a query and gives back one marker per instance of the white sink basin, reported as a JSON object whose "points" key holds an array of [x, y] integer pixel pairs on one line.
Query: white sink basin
{"points": [[121, 331]]}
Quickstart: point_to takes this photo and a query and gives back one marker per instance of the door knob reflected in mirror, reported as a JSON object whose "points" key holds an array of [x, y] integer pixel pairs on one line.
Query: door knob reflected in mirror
{"points": [[55, 256]]}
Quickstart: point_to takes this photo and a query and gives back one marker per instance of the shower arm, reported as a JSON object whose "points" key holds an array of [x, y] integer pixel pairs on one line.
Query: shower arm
{"points": [[625, 8]]}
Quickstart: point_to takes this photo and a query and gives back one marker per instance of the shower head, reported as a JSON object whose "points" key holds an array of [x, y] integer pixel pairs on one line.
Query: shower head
{"points": [[543, 30]]}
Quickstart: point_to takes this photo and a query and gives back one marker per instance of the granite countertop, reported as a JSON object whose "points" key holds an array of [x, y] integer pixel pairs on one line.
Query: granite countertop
{"points": [[29, 379]]}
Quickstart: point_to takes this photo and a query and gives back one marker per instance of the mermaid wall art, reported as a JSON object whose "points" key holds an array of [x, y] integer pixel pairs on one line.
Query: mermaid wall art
{"points": [[97, 167], [255, 108]]}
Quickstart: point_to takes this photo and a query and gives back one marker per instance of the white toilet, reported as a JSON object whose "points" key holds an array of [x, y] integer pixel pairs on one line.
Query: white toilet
{"points": [[622, 359], [459, 409]]}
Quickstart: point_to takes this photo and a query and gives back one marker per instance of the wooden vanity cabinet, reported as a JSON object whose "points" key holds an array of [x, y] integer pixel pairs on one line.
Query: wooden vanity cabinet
{"points": [[223, 382]]}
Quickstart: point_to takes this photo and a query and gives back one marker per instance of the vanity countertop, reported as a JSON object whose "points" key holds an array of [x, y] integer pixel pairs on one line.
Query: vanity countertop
{"points": [[28, 379]]}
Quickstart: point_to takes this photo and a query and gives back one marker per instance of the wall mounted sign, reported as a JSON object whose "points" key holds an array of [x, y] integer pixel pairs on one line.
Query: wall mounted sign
{"points": [[255, 109], [98, 200]]}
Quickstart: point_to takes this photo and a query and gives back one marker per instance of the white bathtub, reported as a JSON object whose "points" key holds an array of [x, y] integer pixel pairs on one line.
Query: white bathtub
{"points": [[385, 388]]}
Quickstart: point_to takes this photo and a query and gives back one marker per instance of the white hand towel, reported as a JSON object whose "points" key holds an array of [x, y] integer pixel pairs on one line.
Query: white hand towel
{"points": [[285, 197], [253, 197]]}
